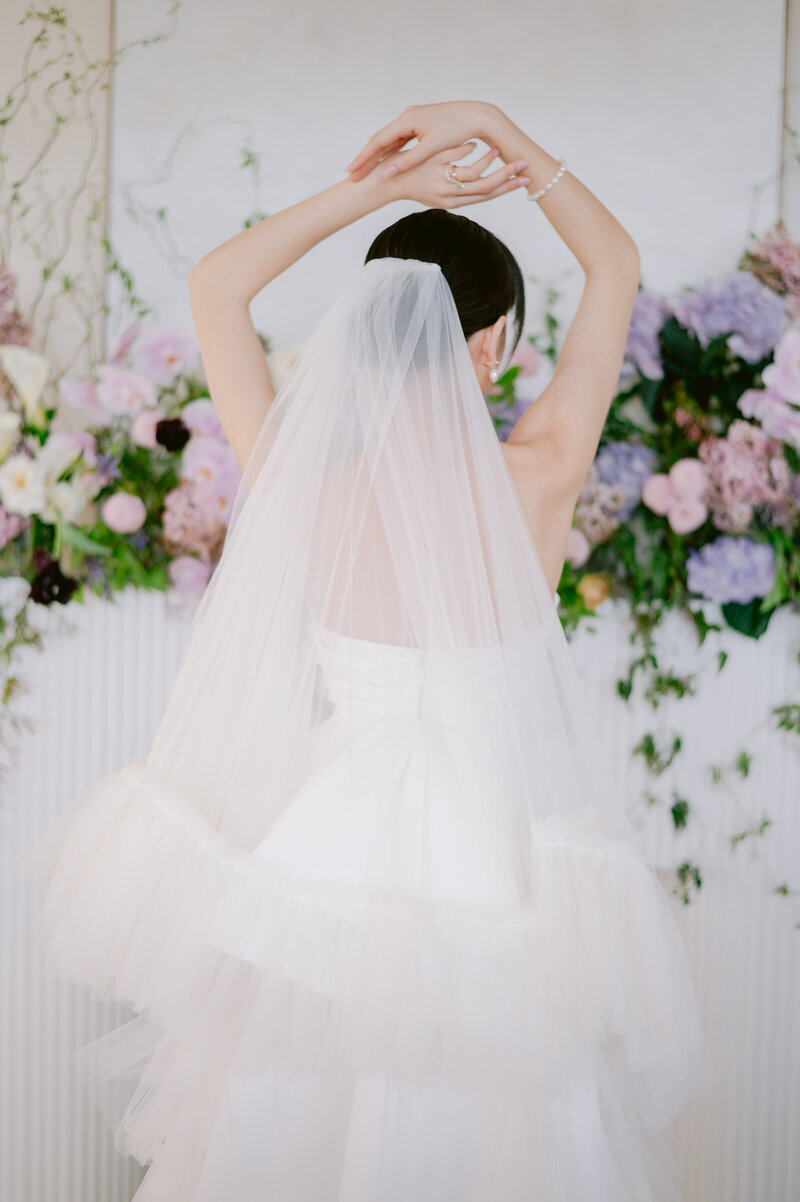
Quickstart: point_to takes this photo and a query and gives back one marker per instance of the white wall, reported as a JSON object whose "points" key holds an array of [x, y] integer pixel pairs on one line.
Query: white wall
{"points": [[670, 113]]}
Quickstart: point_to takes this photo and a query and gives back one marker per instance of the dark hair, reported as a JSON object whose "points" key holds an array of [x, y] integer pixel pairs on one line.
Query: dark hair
{"points": [[483, 275]]}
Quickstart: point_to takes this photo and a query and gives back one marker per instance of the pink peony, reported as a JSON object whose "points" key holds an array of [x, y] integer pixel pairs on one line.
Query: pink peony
{"points": [[123, 512], [783, 374], [188, 577], [122, 392], [213, 469], [527, 358], [688, 478], [201, 418], [658, 493], [162, 354], [686, 514], [578, 548], [143, 428]]}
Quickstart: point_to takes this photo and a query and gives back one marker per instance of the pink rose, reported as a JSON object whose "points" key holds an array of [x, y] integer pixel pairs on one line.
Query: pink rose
{"points": [[658, 493], [578, 547], [686, 514], [123, 512], [688, 478], [143, 429]]}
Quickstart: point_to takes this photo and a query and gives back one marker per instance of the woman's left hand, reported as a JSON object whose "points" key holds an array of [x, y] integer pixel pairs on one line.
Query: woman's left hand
{"points": [[427, 182]]}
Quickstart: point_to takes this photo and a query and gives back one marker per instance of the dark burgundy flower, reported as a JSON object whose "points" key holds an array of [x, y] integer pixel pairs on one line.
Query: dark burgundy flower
{"points": [[172, 433], [50, 583]]}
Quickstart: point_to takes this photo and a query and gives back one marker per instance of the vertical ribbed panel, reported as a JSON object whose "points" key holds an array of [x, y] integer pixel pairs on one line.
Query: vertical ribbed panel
{"points": [[97, 695], [740, 1143]]}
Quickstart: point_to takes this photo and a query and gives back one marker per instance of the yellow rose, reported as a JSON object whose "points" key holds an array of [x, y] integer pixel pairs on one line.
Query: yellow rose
{"points": [[594, 588]]}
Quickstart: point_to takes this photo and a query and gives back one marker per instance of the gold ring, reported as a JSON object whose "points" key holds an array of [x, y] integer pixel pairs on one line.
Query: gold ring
{"points": [[451, 176]]}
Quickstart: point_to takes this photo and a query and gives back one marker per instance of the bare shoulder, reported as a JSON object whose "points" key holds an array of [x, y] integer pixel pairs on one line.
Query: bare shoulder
{"points": [[547, 498]]}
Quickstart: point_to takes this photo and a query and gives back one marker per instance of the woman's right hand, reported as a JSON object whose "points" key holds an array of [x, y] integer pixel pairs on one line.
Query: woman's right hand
{"points": [[427, 181], [437, 127]]}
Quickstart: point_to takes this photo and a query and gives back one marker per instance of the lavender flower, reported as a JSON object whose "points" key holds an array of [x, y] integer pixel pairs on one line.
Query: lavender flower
{"points": [[731, 569], [626, 466], [738, 305], [107, 466], [643, 351]]}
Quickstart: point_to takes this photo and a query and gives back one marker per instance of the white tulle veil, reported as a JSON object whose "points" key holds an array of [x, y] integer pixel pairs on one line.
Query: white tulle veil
{"points": [[376, 503], [375, 834]]}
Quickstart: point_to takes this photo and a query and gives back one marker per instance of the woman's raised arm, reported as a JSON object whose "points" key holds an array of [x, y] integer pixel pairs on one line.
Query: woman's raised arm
{"points": [[566, 421], [224, 281], [563, 426], [222, 284]]}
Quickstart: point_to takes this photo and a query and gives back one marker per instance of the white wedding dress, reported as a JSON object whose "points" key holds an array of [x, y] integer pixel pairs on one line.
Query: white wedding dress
{"points": [[373, 899]]}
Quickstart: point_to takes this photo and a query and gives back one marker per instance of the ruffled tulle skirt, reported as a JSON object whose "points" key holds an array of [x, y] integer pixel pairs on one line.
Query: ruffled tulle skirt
{"points": [[365, 1007]]}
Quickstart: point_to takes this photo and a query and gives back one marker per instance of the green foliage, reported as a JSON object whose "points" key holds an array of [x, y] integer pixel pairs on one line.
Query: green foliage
{"points": [[689, 880], [657, 759]]}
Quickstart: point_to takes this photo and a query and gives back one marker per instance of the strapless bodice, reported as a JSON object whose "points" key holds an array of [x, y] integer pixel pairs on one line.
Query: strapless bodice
{"points": [[404, 681]]}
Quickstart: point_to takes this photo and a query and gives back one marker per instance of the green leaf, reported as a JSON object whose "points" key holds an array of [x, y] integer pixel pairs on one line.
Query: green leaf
{"points": [[748, 619], [76, 538]]}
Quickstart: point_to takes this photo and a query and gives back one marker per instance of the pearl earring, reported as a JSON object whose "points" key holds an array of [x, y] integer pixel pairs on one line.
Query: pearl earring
{"points": [[494, 374]]}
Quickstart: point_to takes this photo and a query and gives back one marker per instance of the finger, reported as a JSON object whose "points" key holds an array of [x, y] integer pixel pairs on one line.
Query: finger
{"points": [[488, 183], [398, 130], [472, 171], [509, 185], [391, 149]]}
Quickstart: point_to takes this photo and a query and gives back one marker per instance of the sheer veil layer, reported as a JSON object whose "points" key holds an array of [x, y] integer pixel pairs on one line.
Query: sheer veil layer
{"points": [[374, 837]]}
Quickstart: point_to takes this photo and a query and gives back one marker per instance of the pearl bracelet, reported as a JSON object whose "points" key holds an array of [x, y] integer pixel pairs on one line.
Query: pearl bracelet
{"points": [[542, 191]]}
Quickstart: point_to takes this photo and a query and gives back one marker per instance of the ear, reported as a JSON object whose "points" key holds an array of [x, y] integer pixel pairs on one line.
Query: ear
{"points": [[497, 338]]}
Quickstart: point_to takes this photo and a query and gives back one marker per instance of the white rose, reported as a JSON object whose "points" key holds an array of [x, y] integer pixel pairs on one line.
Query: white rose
{"points": [[22, 485], [9, 431], [65, 499], [28, 372]]}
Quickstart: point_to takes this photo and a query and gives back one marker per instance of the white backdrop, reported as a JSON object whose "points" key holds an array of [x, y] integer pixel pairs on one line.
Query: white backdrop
{"points": [[671, 115]]}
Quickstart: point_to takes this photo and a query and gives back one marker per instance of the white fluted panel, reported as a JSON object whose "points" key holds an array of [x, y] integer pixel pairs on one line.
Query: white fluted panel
{"points": [[97, 696]]}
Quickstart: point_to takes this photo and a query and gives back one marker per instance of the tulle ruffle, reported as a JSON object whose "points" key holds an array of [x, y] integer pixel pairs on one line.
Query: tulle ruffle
{"points": [[235, 966]]}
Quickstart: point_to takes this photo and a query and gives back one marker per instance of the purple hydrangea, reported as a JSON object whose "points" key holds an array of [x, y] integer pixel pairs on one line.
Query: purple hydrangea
{"points": [[642, 350], [732, 569], [738, 305], [626, 466]]}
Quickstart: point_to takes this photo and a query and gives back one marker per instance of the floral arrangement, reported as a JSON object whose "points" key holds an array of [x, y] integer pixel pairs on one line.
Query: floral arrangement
{"points": [[138, 488], [694, 495]]}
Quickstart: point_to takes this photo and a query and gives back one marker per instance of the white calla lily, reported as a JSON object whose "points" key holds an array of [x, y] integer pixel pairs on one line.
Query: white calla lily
{"points": [[28, 371], [10, 424]]}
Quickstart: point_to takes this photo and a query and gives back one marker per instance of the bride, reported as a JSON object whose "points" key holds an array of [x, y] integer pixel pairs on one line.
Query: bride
{"points": [[371, 894]]}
